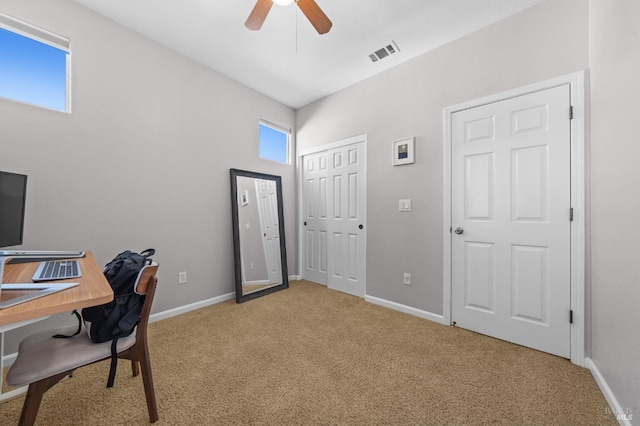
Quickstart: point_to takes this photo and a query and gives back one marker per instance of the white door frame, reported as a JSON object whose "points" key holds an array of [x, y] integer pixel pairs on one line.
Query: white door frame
{"points": [[576, 82], [300, 166]]}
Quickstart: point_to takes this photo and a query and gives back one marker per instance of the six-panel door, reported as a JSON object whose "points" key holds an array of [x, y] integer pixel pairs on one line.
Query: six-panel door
{"points": [[511, 201]]}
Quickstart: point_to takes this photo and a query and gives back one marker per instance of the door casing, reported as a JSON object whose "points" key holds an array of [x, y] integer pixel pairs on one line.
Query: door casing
{"points": [[576, 82]]}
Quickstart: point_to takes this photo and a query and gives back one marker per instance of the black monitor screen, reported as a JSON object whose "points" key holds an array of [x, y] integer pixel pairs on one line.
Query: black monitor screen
{"points": [[13, 189]]}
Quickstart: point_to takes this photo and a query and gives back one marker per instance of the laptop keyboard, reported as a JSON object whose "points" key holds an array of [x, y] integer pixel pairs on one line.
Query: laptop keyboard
{"points": [[57, 270]]}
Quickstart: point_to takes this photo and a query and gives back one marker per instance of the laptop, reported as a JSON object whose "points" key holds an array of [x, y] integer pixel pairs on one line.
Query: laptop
{"points": [[50, 270], [16, 293]]}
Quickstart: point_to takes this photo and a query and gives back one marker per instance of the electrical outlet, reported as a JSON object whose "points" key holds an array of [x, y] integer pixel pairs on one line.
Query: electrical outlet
{"points": [[182, 278], [407, 278]]}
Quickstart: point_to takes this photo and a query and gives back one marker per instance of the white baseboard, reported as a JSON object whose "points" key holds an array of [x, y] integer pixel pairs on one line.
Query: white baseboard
{"points": [[295, 277], [616, 409], [192, 307], [406, 309], [7, 360]]}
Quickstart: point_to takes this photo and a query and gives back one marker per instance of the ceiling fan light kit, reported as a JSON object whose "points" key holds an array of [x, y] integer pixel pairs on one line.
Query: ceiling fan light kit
{"points": [[309, 8]]}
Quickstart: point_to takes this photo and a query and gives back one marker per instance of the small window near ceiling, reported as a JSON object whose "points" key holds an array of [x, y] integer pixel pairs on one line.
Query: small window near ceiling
{"points": [[274, 141], [34, 65]]}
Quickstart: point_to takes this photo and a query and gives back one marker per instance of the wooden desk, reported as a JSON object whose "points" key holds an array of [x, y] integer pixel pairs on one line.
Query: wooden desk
{"points": [[94, 289]]}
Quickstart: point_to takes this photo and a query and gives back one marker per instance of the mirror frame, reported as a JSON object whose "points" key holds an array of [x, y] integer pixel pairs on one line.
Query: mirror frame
{"points": [[234, 174]]}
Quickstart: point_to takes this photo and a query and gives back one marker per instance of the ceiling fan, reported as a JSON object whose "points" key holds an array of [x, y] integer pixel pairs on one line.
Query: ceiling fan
{"points": [[311, 10]]}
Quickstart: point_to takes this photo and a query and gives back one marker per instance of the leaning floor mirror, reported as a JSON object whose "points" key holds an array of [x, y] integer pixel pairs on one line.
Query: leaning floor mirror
{"points": [[258, 234]]}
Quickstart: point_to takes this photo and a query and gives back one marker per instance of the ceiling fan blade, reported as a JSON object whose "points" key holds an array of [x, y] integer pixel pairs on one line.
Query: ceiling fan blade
{"points": [[258, 14], [315, 15]]}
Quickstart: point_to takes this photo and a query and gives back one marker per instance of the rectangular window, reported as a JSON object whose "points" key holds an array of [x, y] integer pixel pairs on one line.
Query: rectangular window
{"points": [[274, 141], [34, 65]]}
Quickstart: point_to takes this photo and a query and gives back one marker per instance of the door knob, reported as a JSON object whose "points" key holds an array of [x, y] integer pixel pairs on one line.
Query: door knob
{"points": [[305, 224], [361, 226], [459, 230]]}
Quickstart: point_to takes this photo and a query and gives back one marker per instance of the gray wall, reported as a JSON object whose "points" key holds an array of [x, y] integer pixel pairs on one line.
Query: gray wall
{"points": [[540, 43], [614, 51], [143, 160]]}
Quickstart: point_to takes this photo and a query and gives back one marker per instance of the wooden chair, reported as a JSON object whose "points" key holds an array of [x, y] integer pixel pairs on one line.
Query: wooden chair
{"points": [[43, 361]]}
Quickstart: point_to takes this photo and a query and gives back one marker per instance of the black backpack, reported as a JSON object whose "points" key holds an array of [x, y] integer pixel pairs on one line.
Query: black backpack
{"points": [[119, 317]]}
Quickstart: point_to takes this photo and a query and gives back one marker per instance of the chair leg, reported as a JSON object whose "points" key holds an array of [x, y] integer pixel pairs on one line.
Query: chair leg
{"points": [[139, 356], [149, 391], [34, 398]]}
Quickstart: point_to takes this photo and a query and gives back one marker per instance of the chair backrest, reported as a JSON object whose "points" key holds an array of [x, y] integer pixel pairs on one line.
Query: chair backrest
{"points": [[146, 284], [147, 272]]}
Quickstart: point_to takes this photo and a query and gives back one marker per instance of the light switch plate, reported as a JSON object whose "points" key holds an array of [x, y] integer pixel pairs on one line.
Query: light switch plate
{"points": [[404, 205]]}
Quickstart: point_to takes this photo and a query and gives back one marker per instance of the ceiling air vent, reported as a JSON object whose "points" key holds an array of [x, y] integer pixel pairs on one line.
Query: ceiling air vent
{"points": [[382, 53]]}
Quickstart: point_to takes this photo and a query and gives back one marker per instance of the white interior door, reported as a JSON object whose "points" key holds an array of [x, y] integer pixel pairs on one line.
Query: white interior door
{"points": [[314, 207], [333, 214], [346, 201], [267, 196], [511, 233]]}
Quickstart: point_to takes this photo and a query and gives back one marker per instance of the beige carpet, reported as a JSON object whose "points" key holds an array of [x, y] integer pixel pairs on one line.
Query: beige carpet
{"points": [[312, 356]]}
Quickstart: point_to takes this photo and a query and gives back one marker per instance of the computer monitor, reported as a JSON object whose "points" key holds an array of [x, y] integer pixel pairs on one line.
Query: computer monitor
{"points": [[13, 190]]}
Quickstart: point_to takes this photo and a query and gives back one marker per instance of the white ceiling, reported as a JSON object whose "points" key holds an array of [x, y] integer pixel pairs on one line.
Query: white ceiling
{"points": [[287, 60]]}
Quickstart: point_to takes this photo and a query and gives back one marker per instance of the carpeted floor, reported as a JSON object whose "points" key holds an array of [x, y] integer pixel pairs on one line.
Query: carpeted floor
{"points": [[312, 356]]}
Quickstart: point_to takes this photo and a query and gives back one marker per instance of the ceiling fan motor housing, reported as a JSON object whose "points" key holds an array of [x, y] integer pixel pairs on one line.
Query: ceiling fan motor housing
{"points": [[309, 8]]}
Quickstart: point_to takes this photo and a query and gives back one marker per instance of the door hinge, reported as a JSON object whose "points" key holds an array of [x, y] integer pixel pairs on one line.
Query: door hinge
{"points": [[571, 112], [571, 214], [571, 317]]}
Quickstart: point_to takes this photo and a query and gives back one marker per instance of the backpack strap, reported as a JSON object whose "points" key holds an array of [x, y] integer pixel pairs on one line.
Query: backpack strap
{"points": [[64, 336], [148, 252], [114, 363]]}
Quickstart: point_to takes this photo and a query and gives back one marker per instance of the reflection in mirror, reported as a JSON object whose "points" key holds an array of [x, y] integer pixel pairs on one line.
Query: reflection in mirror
{"points": [[258, 234]]}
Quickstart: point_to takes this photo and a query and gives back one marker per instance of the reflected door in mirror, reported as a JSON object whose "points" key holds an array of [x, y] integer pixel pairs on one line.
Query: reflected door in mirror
{"points": [[267, 196]]}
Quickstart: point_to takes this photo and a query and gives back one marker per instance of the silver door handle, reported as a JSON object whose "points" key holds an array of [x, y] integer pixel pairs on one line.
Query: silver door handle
{"points": [[458, 230]]}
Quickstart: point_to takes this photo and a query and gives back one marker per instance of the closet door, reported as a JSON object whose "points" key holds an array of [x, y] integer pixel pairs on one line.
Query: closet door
{"points": [[334, 216], [346, 222], [314, 206]]}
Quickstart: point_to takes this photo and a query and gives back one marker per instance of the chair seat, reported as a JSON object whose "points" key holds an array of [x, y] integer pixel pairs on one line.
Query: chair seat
{"points": [[40, 355]]}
